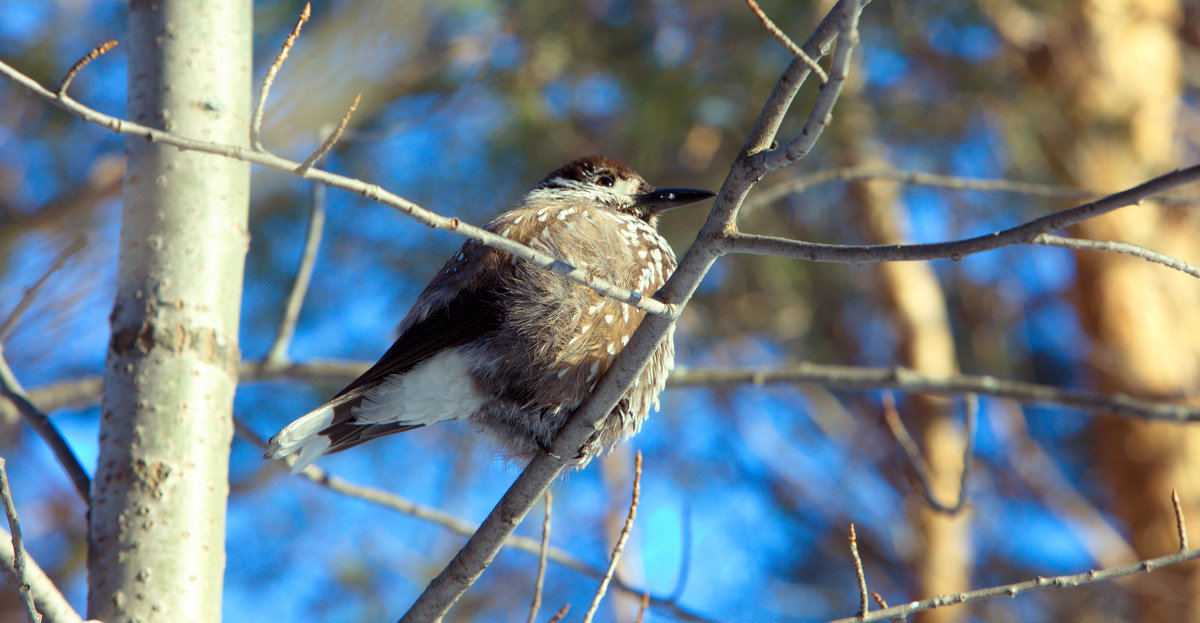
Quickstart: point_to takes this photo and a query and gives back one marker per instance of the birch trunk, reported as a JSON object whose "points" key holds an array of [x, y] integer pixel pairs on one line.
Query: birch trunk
{"points": [[157, 520]]}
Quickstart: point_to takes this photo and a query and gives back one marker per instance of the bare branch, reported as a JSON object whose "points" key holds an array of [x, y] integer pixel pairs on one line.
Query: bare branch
{"points": [[370, 191], [330, 140], [27, 299], [50, 602], [1126, 248], [277, 355], [11, 388], [86, 391], [269, 78], [81, 63], [917, 460], [847, 12], [916, 178], [541, 571], [20, 564], [1017, 588], [621, 540], [787, 41], [1180, 524], [909, 380], [1025, 233], [864, 605]]}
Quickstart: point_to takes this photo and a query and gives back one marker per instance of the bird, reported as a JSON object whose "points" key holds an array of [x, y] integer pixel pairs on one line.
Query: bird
{"points": [[510, 346]]}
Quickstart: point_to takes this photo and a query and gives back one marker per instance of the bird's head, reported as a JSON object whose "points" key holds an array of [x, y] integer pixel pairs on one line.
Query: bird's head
{"points": [[612, 184]]}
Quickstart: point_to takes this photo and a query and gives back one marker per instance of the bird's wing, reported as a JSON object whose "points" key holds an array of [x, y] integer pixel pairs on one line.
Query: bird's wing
{"points": [[465, 316]]}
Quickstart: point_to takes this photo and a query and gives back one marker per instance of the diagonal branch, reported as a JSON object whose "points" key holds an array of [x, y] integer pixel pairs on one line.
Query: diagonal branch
{"points": [[372, 192], [11, 389], [49, 600], [20, 560]]}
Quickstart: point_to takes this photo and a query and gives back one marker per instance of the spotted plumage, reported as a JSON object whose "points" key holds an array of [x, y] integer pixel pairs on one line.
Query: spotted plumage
{"points": [[508, 345]]}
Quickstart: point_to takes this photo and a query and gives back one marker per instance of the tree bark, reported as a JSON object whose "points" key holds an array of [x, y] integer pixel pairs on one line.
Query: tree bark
{"points": [[1120, 66], [157, 519]]}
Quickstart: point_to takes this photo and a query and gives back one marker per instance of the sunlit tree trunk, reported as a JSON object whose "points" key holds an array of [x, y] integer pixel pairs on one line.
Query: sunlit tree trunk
{"points": [[1120, 63], [157, 521], [916, 305]]}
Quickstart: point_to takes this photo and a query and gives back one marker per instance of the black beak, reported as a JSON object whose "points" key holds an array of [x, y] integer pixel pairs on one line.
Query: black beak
{"points": [[660, 200]]}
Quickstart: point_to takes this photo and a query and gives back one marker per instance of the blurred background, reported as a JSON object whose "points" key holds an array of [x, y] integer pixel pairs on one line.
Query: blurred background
{"points": [[748, 491]]}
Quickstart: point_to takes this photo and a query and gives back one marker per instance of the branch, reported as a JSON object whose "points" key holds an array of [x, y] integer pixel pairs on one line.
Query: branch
{"points": [[277, 355], [1016, 588], [85, 391], [27, 299], [541, 570], [370, 191], [621, 540], [481, 549], [11, 388], [920, 466], [49, 600], [1126, 248], [1025, 233], [20, 563], [787, 41], [864, 605], [269, 79], [909, 380]]}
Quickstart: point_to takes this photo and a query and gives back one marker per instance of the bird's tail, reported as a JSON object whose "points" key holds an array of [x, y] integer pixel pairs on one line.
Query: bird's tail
{"points": [[304, 437]]}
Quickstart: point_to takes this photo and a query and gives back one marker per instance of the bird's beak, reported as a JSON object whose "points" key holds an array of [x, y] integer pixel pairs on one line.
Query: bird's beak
{"points": [[660, 200]]}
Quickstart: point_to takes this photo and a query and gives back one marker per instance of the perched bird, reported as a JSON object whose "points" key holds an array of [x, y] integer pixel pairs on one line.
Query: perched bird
{"points": [[512, 347]]}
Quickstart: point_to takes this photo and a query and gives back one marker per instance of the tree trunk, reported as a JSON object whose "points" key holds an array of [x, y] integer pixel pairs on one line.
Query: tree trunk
{"points": [[1121, 67], [157, 520]]}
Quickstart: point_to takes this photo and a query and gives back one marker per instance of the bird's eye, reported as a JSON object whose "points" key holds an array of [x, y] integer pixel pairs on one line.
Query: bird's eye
{"points": [[606, 181]]}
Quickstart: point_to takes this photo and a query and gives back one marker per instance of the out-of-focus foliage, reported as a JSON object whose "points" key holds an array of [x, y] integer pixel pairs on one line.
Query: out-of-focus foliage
{"points": [[467, 104]]}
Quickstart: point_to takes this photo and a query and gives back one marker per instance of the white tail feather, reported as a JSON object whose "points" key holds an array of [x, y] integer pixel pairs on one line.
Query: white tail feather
{"points": [[302, 436]]}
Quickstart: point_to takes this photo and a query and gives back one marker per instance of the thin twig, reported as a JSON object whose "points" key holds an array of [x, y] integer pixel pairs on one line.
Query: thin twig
{"points": [[330, 140], [1180, 524], [10, 388], [1037, 584], [917, 460], [642, 606], [787, 42], [562, 612], [864, 604], [541, 570], [6, 327], [909, 380], [879, 599], [1125, 248], [277, 355], [18, 545], [269, 78], [81, 63], [620, 546]]}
